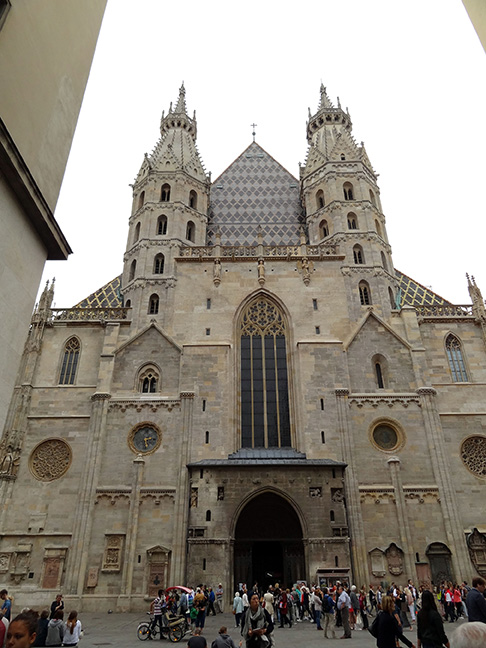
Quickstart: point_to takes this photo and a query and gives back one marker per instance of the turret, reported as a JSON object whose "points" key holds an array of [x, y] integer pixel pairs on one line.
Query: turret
{"points": [[341, 199], [170, 206]]}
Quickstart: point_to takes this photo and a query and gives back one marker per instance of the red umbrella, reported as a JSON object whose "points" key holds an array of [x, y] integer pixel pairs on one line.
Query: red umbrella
{"points": [[179, 587]]}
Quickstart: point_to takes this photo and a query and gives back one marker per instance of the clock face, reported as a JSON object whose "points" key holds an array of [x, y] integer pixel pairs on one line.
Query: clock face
{"points": [[144, 438]]}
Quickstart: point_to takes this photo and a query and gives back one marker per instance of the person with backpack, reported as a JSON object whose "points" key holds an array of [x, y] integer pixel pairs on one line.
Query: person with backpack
{"points": [[328, 613]]}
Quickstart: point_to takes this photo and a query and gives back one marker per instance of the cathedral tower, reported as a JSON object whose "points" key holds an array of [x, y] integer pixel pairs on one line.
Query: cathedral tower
{"points": [[341, 199], [170, 205]]}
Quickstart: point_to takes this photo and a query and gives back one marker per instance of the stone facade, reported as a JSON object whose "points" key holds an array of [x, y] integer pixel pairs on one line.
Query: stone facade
{"points": [[237, 404]]}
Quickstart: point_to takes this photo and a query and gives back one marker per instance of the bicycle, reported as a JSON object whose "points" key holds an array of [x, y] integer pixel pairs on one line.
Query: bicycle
{"points": [[174, 630]]}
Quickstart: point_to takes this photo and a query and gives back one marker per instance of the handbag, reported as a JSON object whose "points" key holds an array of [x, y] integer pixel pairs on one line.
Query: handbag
{"points": [[373, 628]]}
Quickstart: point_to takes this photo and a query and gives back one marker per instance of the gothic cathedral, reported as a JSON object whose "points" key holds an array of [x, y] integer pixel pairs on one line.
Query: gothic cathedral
{"points": [[259, 396]]}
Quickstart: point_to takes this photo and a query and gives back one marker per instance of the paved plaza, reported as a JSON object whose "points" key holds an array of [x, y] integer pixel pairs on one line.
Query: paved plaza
{"points": [[102, 629]]}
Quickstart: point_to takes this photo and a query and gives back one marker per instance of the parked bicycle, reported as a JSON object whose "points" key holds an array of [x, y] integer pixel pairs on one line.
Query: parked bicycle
{"points": [[174, 628]]}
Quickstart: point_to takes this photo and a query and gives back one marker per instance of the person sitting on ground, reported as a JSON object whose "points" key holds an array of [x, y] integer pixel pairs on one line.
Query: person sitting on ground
{"points": [[469, 635], [55, 630], [223, 640], [41, 631], [197, 640], [21, 632]]}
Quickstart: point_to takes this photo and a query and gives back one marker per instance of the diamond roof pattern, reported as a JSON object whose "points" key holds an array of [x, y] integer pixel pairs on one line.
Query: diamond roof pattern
{"points": [[254, 194]]}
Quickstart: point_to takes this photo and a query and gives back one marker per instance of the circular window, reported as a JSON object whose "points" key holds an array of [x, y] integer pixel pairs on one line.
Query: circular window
{"points": [[144, 438], [386, 436], [473, 455], [50, 459]]}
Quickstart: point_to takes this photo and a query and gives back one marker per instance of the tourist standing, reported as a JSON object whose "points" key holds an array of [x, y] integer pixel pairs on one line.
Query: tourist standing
{"points": [[344, 605], [475, 601], [430, 627], [387, 627]]}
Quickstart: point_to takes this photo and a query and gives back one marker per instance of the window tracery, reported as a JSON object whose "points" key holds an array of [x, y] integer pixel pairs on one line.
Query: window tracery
{"points": [[148, 380], [265, 419], [456, 359], [70, 362], [473, 455]]}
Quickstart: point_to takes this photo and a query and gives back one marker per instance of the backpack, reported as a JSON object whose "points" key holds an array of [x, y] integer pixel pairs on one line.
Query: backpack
{"points": [[327, 603]]}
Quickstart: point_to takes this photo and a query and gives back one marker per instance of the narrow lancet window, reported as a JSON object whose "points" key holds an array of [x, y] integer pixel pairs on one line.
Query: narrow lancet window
{"points": [[70, 362], [456, 359]]}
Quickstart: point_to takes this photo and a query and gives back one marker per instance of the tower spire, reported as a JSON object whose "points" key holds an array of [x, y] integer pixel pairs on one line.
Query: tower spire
{"points": [[181, 101]]}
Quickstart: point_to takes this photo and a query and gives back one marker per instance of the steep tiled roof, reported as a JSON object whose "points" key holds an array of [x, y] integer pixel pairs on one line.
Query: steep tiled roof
{"points": [[108, 296], [414, 294], [254, 194]]}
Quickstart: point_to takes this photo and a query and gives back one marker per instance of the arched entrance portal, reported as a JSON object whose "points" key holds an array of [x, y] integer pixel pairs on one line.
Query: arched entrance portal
{"points": [[268, 543]]}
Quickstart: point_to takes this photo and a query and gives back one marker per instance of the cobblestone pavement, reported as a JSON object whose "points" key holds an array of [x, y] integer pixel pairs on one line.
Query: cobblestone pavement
{"points": [[105, 630]]}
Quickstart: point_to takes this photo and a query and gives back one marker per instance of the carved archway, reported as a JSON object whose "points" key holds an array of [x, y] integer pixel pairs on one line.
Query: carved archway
{"points": [[269, 544]]}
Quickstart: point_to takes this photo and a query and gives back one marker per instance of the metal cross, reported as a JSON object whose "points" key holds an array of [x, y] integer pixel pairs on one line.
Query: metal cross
{"points": [[253, 126]]}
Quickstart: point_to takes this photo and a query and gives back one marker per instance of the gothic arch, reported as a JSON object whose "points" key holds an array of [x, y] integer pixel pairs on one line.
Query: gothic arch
{"points": [[454, 350], [276, 491], [273, 549], [237, 324], [69, 361], [143, 372]]}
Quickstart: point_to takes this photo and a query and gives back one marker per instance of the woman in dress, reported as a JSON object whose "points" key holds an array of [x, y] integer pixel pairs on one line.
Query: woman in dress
{"points": [[387, 627], [430, 627]]}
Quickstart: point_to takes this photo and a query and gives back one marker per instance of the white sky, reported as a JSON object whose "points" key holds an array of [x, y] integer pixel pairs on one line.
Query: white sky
{"points": [[411, 73]]}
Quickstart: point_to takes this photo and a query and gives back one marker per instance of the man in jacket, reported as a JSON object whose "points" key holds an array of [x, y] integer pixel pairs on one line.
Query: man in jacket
{"points": [[475, 601]]}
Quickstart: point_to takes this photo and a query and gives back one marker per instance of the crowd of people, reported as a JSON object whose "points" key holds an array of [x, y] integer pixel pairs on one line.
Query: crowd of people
{"points": [[341, 608], [31, 628]]}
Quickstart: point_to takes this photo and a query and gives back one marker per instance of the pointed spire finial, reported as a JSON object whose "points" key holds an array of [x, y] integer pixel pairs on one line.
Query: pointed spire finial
{"points": [[181, 102], [324, 102]]}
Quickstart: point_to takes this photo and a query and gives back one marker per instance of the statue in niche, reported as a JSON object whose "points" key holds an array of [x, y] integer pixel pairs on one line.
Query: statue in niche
{"points": [[261, 272], [217, 272], [9, 463]]}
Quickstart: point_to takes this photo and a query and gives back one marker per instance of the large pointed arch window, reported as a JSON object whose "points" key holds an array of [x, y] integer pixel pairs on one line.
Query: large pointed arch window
{"points": [[456, 359], [265, 420]]}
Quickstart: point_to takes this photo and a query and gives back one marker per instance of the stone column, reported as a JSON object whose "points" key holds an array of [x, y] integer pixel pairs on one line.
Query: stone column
{"points": [[83, 518], [131, 536], [355, 520], [442, 474], [403, 523], [181, 508]]}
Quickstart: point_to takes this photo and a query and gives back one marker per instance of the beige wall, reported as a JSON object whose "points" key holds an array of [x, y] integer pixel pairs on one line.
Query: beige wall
{"points": [[46, 50], [477, 13]]}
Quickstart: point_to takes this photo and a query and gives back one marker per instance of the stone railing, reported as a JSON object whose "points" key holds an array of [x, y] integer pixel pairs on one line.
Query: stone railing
{"points": [[88, 314], [254, 251], [458, 310]]}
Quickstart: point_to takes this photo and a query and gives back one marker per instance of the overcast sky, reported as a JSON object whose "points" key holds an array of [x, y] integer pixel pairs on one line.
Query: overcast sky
{"points": [[413, 75]]}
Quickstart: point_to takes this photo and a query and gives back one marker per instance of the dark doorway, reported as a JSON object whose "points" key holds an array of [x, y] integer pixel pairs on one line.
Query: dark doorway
{"points": [[439, 556], [268, 543]]}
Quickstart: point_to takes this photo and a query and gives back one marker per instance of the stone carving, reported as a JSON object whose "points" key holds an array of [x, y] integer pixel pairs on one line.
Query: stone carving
{"points": [[377, 558], [9, 462], [92, 580], [89, 314], [476, 543], [113, 553], [4, 562], [220, 493], [51, 573], [193, 501], [153, 404], [337, 495], [394, 557], [261, 272], [315, 491], [217, 272], [375, 400], [50, 459], [473, 455]]}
